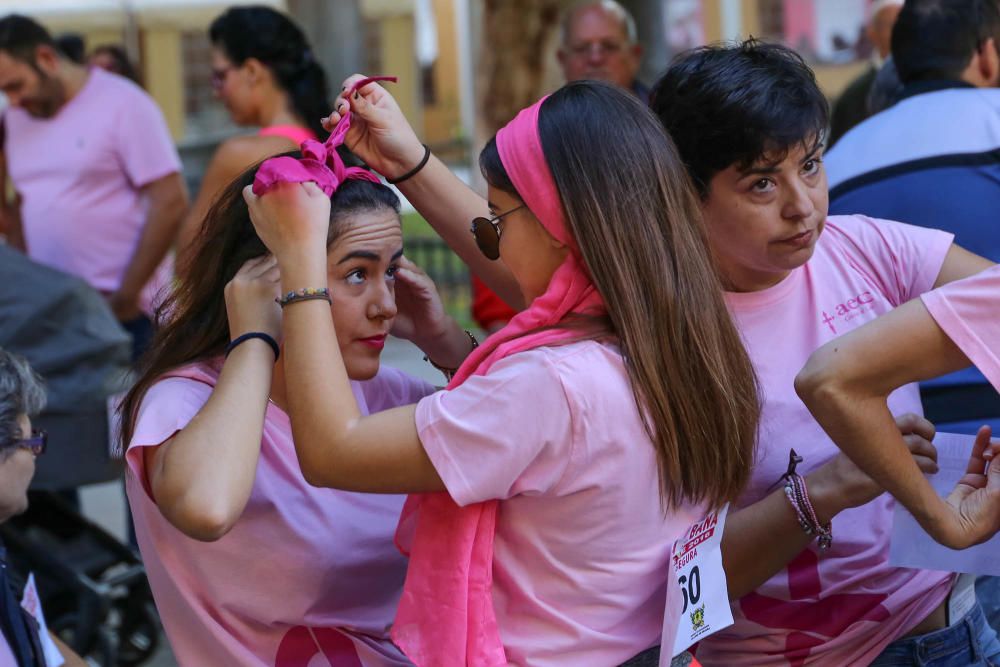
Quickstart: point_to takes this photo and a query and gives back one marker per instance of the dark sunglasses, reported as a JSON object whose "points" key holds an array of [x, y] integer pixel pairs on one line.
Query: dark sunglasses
{"points": [[36, 443], [487, 232]]}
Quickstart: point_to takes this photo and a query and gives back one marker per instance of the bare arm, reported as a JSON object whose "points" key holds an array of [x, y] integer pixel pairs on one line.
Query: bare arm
{"points": [[201, 478], [960, 263], [381, 137], [846, 384], [167, 204], [336, 446], [10, 210], [761, 539]]}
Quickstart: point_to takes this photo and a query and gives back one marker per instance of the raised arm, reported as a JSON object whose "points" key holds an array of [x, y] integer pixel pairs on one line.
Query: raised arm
{"points": [[201, 478], [846, 384], [336, 445], [382, 137]]}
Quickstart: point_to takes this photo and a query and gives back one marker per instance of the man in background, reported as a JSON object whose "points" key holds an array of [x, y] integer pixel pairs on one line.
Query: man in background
{"points": [[97, 180], [852, 106]]}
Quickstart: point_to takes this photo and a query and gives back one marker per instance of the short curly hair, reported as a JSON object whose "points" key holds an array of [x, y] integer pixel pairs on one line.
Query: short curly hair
{"points": [[21, 393]]}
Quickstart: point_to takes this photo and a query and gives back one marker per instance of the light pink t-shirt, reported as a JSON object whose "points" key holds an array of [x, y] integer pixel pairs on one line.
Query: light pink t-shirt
{"points": [[79, 176], [305, 574], [582, 544], [843, 606], [969, 313]]}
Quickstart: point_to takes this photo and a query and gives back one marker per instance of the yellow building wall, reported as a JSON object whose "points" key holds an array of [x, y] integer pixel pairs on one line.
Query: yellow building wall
{"points": [[398, 47], [163, 72], [442, 119]]}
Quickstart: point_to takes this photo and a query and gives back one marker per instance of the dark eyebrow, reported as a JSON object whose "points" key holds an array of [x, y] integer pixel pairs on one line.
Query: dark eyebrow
{"points": [[367, 255]]}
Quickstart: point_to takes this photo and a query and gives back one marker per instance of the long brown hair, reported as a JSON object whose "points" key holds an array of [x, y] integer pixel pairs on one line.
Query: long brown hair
{"points": [[192, 325], [631, 208]]}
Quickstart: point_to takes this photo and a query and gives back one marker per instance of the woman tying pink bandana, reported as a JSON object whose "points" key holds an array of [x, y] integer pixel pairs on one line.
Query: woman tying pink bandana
{"points": [[251, 565], [570, 450]]}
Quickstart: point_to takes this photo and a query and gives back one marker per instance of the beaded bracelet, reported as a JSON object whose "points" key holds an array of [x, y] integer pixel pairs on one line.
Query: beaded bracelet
{"points": [[450, 372], [304, 294], [798, 497]]}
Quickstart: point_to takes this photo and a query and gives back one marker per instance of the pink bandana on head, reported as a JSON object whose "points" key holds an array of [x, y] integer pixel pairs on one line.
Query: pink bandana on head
{"points": [[320, 163], [445, 616]]}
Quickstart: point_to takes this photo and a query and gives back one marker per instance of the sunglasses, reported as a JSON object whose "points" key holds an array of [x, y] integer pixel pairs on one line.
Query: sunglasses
{"points": [[36, 443], [487, 232]]}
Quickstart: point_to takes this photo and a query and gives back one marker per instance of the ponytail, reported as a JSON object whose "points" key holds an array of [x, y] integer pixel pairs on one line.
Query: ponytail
{"points": [[280, 45]]}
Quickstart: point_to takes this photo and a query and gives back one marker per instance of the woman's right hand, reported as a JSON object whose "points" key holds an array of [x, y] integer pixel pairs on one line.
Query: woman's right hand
{"points": [[839, 484], [380, 134], [250, 295]]}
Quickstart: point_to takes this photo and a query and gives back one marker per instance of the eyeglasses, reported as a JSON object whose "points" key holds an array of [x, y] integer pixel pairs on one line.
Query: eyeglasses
{"points": [[603, 48], [36, 443], [219, 76], [487, 233]]}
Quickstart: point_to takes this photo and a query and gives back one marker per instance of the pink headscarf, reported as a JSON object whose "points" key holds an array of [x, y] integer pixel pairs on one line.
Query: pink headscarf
{"points": [[320, 163], [445, 615]]}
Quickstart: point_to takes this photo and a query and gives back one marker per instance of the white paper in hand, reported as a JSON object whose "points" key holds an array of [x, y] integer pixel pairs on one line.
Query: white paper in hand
{"points": [[697, 564], [911, 547]]}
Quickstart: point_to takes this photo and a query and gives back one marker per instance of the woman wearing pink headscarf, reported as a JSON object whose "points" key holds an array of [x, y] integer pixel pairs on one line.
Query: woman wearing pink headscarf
{"points": [[552, 477]]}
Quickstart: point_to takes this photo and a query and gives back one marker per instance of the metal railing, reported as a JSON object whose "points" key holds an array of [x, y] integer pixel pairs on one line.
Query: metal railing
{"points": [[447, 270]]}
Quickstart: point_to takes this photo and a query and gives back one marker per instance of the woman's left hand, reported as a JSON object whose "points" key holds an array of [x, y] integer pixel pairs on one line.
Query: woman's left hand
{"points": [[421, 316], [293, 220]]}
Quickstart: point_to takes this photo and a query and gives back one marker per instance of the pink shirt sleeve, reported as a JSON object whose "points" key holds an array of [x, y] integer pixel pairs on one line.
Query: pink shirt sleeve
{"points": [[168, 406], [499, 435], [969, 313], [143, 141], [903, 259]]}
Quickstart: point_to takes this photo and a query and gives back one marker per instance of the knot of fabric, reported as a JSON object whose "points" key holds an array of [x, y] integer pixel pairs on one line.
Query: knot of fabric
{"points": [[320, 162]]}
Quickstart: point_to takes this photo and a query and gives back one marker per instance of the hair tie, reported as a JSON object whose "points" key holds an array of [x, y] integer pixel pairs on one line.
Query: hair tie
{"points": [[320, 163]]}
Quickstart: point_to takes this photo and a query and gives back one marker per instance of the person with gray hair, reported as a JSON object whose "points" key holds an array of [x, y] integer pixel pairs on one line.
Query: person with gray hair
{"points": [[599, 41], [22, 397]]}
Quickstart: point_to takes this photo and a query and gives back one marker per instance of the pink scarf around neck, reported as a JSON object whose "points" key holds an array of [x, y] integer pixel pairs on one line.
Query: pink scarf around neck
{"points": [[445, 616]]}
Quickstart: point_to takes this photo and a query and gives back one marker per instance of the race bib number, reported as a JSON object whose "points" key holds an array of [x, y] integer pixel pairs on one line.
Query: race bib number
{"points": [[697, 564]]}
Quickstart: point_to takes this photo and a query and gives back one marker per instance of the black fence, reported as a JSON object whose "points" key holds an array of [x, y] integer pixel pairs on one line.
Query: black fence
{"points": [[449, 273]]}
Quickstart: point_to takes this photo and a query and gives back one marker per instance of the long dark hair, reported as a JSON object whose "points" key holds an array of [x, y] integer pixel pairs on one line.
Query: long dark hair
{"points": [[280, 45], [633, 212], [191, 322]]}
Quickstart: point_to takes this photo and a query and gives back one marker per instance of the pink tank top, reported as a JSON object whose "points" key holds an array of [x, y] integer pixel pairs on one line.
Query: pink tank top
{"points": [[293, 133]]}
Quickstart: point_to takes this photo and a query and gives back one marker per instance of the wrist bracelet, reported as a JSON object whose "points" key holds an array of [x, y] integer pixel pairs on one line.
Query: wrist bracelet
{"points": [[450, 372], [413, 172], [304, 294], [267, 338], [798, 497]]}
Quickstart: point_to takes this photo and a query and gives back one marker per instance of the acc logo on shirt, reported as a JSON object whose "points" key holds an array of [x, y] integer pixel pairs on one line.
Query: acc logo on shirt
{"points": [[848, 310]]}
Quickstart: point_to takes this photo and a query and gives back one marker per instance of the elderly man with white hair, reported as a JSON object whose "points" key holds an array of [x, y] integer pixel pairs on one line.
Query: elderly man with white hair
{"points": [[599, 41]]}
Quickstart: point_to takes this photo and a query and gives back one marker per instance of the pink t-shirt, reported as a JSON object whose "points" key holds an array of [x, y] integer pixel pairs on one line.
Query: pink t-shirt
{"points": [[843, 606], [305, 573], [969, 313], [582, 542], [79, 176]]}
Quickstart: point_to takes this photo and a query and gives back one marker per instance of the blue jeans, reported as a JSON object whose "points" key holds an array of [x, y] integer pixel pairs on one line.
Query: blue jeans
{"points": [[969, 643]]}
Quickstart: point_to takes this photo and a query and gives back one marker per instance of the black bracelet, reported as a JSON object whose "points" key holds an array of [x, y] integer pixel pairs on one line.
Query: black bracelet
{"points": [[267, 338], [413, 172]]}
